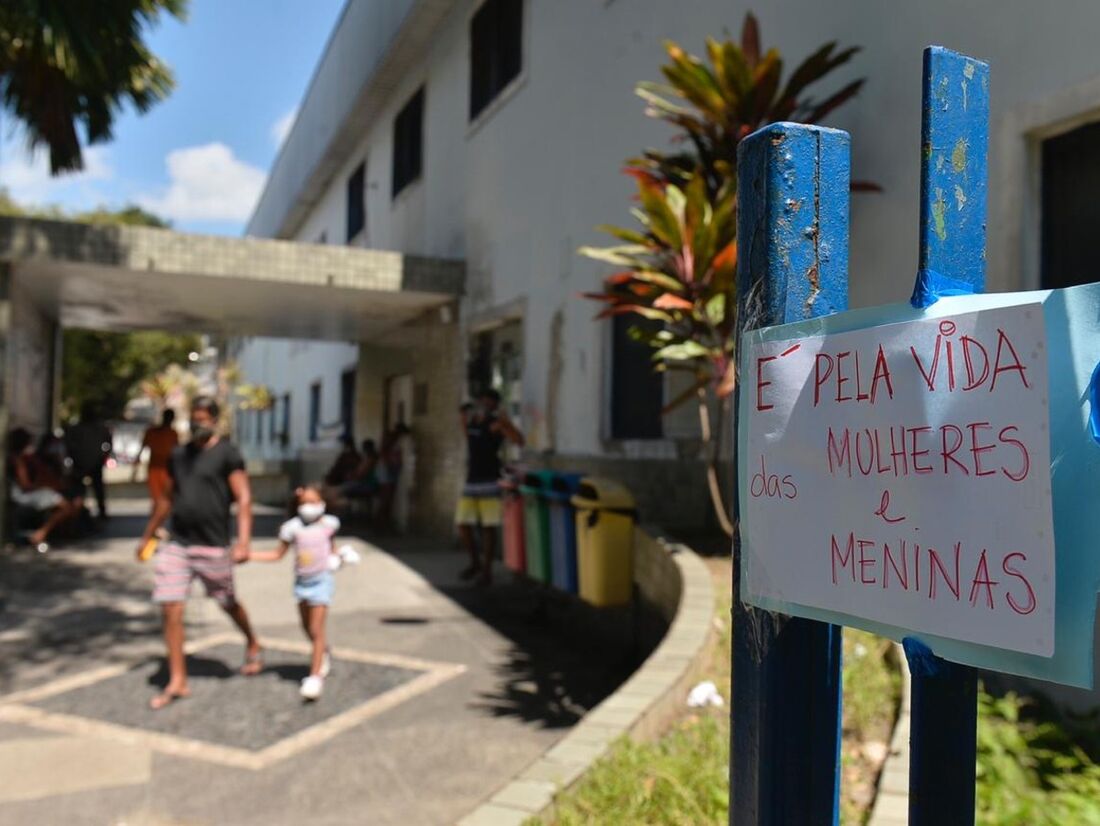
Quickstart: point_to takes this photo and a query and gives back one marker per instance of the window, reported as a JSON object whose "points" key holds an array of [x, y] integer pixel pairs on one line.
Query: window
{"points": [[258, 430], [272, 423], [637, 391], [496, 53], [314, 411], [242, 426], [357, 205], [408, 142], [347, 402], [1070, 211], [285, 435]]}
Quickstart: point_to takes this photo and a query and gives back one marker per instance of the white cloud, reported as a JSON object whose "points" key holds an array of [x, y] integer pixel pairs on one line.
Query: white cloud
{"points": [[27, 178], [281, 128], [207, 183]]}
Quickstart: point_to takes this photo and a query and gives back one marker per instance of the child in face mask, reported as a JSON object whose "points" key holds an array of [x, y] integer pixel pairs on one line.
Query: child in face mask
{"points": [[311, 534]]}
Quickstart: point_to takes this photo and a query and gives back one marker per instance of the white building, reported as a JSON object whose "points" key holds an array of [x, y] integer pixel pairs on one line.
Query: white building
{"points": [[492, 131]]}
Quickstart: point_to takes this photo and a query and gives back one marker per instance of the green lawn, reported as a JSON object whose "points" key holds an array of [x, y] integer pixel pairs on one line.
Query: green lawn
{"points": [[1035, 768], [683, 778]]}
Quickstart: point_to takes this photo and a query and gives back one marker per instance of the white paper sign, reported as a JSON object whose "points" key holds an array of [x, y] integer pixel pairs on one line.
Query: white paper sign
{"points": [[902, 474]]}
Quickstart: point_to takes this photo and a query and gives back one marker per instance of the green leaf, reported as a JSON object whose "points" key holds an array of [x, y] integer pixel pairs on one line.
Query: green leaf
{"points": [[715, 309], [631, 236], [664, 222], [627, 255], [684, 351]]}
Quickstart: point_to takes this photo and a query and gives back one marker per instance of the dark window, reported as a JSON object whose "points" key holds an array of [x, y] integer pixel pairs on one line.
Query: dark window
{"points": [[314, 411], [285, 435], [357, 206], [408, 142], [1071, 212], [496, 50], [637, 391], [272, 422], [347, 402]]}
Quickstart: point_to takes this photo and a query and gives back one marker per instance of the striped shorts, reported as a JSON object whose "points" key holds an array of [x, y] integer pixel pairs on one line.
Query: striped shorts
{"points": [[175, 566]]}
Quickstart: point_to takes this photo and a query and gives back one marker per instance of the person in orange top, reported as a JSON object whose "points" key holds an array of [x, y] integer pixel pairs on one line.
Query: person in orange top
{"points": [[160, 441]]}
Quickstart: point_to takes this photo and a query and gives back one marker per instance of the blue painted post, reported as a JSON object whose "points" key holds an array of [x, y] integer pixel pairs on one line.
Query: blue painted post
{"points": [[792, 235], [954, 151]]}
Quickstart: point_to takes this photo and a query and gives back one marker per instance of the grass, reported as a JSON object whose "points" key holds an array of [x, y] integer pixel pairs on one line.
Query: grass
{"points": [[683, 777], [1035, 766]]}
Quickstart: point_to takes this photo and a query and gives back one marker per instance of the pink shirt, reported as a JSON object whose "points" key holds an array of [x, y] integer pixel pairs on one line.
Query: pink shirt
{"points": [[312, 543]]}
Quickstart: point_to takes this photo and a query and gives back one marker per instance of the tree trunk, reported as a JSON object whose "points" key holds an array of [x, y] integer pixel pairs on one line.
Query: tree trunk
{"points": [[712, 446]]}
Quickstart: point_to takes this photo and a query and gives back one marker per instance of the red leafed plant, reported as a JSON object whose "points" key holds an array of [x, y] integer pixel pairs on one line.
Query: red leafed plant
{"points": [[678, 266]]}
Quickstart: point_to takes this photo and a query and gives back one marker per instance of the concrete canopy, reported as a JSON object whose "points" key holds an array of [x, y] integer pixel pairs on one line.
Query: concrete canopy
{"points": [[121, 278]]}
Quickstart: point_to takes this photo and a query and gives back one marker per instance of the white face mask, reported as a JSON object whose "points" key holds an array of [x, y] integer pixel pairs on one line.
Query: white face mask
{"points": [[311, 511]]}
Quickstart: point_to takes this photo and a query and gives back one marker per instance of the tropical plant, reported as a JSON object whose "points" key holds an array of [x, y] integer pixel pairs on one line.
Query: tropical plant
{"points": [[678, 267], [254, 397], [69, 64], [173, 387]]}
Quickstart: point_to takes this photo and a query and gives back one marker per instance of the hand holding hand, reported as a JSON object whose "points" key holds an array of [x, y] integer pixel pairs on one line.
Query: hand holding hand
{"points": [[241, 553]]}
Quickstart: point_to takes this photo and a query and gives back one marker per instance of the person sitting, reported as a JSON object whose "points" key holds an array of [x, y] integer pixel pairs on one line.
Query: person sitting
{"points": [[365, 481], [38, 484], [343, 469]]}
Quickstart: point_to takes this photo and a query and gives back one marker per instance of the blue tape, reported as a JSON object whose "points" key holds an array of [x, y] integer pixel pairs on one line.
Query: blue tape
{"points": [[1094, 404], [931, 286], [922, 662]]}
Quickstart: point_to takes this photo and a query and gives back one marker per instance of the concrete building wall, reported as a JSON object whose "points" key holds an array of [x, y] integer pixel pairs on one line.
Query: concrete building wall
{"points": [[289, 366], [517, 191], [31, 347]]}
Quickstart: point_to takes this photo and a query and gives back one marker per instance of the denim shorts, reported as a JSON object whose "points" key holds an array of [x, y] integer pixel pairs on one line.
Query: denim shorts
{"points": [[316, 589]]}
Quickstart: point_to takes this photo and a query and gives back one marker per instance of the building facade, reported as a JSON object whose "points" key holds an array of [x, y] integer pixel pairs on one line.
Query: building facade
{"points": [[492, 132]]}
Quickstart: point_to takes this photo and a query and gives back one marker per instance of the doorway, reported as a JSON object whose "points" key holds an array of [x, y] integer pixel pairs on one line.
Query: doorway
{"points": [[399, 400]]}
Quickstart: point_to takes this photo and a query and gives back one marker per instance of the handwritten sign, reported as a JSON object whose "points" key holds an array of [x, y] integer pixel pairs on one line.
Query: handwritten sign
{"points": [[900, 474]]}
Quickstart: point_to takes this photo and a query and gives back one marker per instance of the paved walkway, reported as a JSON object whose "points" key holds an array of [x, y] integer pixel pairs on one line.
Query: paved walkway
{"points": [[440, 693]]}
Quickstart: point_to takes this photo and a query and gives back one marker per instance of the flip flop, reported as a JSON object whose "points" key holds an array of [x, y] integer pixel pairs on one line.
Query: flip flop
{"points": [[166, 698], [253, 663]]}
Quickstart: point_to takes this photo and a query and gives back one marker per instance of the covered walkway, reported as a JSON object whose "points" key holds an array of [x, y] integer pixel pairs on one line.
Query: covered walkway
{"points": [[401, 309]]}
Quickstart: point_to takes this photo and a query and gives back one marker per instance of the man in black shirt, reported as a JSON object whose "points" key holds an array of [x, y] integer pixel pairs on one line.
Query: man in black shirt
{"points": [[486, 429], [205, 477]]}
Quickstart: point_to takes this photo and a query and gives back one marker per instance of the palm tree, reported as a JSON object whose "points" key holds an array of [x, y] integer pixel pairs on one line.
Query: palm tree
{"points": [[66, 64]]}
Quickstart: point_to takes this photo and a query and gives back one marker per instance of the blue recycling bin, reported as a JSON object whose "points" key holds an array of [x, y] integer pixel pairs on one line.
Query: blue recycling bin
{"points": [[563, 530]]}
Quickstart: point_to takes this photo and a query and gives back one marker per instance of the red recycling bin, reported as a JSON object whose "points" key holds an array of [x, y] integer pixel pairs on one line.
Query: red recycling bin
{"points": [[515, 543]]}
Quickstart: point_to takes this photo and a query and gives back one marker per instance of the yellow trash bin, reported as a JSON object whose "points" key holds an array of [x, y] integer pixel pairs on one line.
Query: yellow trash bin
{"points": [[605, 541]]}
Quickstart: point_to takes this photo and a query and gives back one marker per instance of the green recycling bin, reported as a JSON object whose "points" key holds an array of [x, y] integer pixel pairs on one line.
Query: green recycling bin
{"points": [[536, 521], [605, 541]]}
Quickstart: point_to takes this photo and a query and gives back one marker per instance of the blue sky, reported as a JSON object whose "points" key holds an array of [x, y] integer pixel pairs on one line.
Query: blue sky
{"points": [[198, 158]]}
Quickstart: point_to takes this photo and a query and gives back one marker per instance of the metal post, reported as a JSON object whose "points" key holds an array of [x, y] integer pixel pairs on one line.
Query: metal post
{"points": [[793, 264], [954, 161]]}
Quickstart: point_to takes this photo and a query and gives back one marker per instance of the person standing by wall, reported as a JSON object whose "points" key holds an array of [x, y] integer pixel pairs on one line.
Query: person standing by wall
{"points": [[89, 445], [403, 471], [160, 441], [486, 429], [205, 477]]}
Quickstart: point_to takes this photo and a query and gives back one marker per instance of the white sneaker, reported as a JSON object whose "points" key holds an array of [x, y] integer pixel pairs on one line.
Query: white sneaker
{"points": [[312, 686], [348, 555], [326, 665]]}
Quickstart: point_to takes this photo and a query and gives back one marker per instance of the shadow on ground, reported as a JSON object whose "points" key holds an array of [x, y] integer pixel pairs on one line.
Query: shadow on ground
{"points": [[565, 655]]}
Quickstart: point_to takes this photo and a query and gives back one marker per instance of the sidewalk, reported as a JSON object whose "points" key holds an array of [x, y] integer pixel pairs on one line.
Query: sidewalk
{"points": [[439, 693]]}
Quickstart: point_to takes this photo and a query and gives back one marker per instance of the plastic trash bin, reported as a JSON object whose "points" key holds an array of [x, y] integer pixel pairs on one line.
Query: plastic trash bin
{"points": [[563, 531], [515, 544], [605, 541], [536, 523]]}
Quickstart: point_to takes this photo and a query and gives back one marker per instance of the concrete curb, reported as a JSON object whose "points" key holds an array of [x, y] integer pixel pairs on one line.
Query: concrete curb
{"points": [[892, 801], [640, 708]]}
